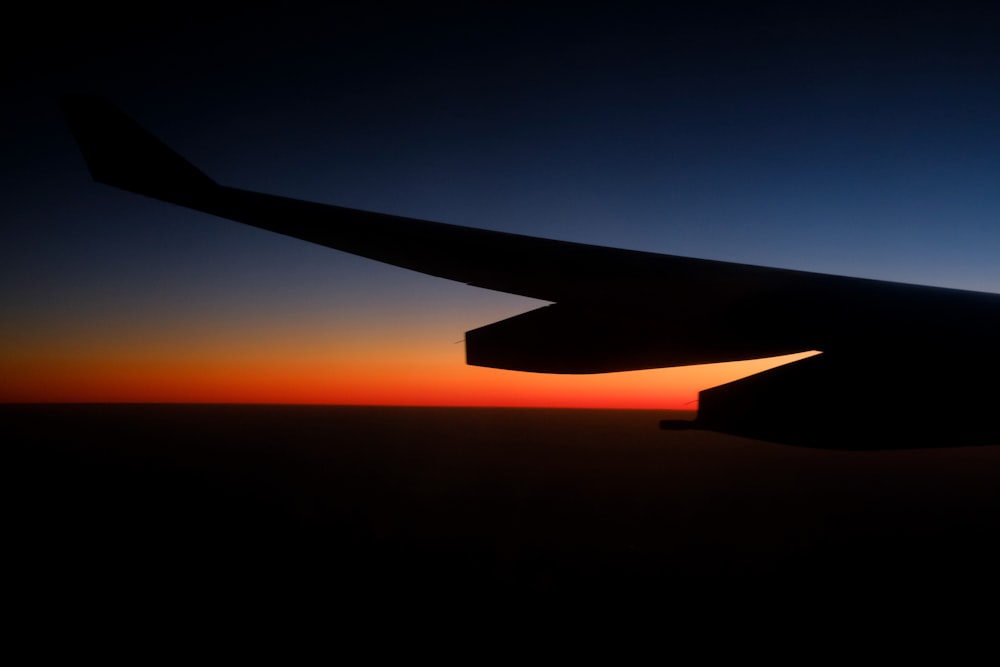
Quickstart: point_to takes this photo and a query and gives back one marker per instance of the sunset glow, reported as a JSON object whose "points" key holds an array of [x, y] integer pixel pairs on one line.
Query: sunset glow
{"points": [[348, 376], [865, 148]]}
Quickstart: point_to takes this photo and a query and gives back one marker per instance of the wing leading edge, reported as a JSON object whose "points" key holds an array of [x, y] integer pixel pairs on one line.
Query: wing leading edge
{"points": [[612, 310]]}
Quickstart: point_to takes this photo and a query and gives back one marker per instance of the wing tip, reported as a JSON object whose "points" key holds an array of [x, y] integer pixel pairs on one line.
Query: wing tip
{"points": [[121, 153]]}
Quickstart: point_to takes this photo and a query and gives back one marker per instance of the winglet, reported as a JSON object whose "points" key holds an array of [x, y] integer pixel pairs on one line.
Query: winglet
{"points": [[119, 152]]}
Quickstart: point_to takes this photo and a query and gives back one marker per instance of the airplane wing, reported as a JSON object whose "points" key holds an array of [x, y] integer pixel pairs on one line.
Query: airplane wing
{"points": [[121, 153], [612, 309]]}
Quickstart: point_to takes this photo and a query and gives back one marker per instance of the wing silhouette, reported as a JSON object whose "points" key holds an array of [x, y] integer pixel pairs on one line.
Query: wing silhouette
{"points": [[615, 309]]}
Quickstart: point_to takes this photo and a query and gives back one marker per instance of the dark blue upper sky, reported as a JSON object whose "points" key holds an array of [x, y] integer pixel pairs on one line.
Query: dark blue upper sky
{"points": [[859, 139]]}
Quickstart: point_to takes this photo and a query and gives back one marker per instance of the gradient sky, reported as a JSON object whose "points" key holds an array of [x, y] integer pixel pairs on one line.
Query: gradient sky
{"points": [[859, 140]]}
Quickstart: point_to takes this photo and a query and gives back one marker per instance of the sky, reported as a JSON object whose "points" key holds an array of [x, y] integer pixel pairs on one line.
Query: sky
{"points": [[857, 139]]}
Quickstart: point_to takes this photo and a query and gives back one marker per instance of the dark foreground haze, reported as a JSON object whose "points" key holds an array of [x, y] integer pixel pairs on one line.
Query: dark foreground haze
{"points": [[375, 503]]}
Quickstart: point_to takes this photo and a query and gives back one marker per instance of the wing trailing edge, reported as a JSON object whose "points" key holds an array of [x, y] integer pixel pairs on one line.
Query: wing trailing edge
{"points": [[120, 153]]}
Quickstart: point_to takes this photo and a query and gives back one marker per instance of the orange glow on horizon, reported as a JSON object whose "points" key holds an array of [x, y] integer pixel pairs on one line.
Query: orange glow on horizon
{"points": [[306, 375], [311, 359]]}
